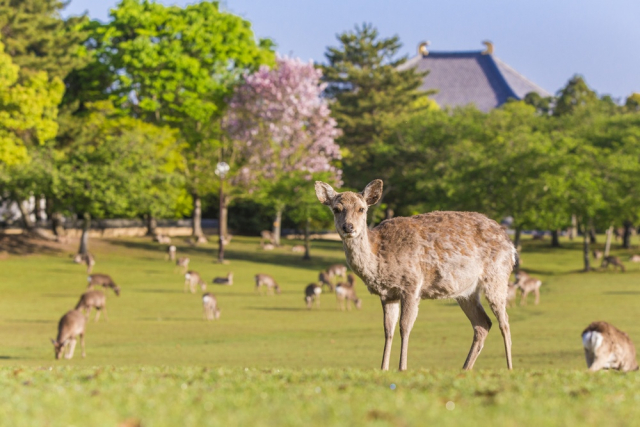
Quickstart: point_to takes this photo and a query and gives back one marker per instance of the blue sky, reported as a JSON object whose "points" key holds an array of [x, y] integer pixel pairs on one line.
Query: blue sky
{"points": [[546, 40]]}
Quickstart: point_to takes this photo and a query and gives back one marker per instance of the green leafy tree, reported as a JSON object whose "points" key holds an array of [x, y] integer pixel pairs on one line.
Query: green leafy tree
{"points": [[574, 95]]}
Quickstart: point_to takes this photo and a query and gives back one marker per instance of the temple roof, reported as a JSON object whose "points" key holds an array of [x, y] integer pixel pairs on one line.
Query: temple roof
{"points": [[474, 77]]}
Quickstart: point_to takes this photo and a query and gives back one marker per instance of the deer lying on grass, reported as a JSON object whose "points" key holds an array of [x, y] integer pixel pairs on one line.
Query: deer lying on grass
{"points": [[431, 256], [210, 307], [71, 325], [597, 254], [346, 294], [607, 347], [171, 253], [634, 258], [264, 280], [267, 246], [103, 280], [612, 260], [312, 294], [93, 299], [183, 263], [325, 280], [528, 284], [224, 280], [86, 259], [193, 279], [161, 238], [266, 235], [298, 249]]}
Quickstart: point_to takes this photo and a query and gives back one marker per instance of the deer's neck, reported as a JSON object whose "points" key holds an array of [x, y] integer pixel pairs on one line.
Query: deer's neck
{"points": [[361, 255]]}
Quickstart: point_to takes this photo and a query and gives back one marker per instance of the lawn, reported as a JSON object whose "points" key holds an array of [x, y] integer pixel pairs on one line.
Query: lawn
{"points": [[270, 361]]}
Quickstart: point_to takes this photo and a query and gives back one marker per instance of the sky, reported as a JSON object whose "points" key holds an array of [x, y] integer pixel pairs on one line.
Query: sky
{"points": [[548, 41]]}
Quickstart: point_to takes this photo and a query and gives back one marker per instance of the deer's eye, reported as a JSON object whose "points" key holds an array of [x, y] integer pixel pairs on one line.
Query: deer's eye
{"points": [[361, 210], [337, 210]]}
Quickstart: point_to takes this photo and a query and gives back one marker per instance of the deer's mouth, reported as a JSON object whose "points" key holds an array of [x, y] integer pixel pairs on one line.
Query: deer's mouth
{"points": [[349, 235]]}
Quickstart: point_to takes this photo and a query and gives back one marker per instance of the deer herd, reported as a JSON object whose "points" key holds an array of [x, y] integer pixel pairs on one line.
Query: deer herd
{"points": [[438, 255]]}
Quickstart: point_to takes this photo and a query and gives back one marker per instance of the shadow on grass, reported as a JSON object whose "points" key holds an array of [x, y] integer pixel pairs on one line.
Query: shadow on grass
{"points": [[22, 244]]}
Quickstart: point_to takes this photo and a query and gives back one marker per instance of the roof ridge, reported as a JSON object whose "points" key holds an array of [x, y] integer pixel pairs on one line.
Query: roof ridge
{"points": [[492, 61], [513, 70]]}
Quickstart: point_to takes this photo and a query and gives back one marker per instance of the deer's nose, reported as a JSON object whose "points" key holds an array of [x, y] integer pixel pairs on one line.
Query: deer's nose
{"points": [[348, 228]]}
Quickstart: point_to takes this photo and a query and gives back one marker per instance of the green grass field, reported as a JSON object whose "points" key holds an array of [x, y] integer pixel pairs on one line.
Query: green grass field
{"points": [[270, 361]]}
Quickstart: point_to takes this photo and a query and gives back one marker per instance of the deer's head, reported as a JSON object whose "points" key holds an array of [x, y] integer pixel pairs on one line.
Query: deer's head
{"points": [[57, 348], [349, 208]]}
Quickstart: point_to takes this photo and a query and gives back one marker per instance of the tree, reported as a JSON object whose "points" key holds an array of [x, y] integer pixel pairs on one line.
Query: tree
{"points": [[177, 66], [372, 89], [283, 131], [574, 95]]}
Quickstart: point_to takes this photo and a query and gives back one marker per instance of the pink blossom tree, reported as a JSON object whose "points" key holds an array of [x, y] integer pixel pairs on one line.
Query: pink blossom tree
{"points": [[281, 127]]}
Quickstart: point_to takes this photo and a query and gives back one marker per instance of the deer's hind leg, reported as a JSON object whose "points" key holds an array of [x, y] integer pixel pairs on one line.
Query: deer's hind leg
{"points": [[497, 299], [480, 323]]}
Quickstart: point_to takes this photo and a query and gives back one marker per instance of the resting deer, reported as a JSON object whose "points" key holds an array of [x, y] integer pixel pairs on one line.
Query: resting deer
{"points": [[86, 259], [312, 294], [210, 307], [612, 260], [71, 325], [267, 246], [346, 294], [266, 235], [607, 347], [264, 280], [103, 280], [597, 254], [325, 280], [298, 249], [193, 279], [183, 263], [224, 280], [93, 299], [528, 284], [171, 253], [161, 238], [431, 256]]}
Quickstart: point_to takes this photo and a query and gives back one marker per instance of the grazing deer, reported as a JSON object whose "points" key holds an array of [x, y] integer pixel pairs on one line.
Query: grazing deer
{"points": [[512, 293], [297, 249], [607, 347], [224, 280], [268, 282], [193, 279], [528, 284], [346, 294], [210, 307], [71, 325], [312, 294], [337, 270], [266, 235], [537, 236], [267, 246], [183, 263], [612, 260], [325, 280], [93, 299], [430, 256], [634, 258], [171, 253], [597, 254], [86, 259], [103, 280]]}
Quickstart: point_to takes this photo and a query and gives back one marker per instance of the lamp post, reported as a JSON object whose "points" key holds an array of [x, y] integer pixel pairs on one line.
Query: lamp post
{"points": [[222, 169]]}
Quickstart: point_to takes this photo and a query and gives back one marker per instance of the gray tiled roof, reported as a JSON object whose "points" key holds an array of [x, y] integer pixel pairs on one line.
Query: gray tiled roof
{"points": [[462, 78]]}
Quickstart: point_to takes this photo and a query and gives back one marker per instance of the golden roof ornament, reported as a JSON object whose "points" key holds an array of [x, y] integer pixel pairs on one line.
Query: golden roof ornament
{"points": [[422, 48], [489, 49]]}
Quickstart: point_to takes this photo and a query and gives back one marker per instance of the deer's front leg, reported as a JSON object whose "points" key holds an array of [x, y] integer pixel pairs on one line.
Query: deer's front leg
{"points": [[408, 314], [391, 311]]}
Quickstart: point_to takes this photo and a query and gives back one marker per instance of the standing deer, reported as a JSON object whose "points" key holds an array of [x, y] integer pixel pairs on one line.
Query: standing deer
{"points": [[224, 280], [430, 256], [512, 293], [266, 235], [325, 280], [346, 294], [597, 254], [312, 294], [103, 280], [607, 347], [337, 270], [612, 260], [528, 284], [86, 259], [71, 325], [268, 282], [193, 279], [93, 299], [210, 306], [171, 253], [183, 263]]}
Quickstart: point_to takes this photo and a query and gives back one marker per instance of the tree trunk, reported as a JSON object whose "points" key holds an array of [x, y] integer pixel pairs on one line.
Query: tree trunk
{"points": [[198, 235], [152, 225], [29, 225], [592, 235], [277, 226], [626, 240], [221, 220], [555, 238], [224, 215], [607, 245], [585, 248], [516, 243], [573, 230], [307, 241], [84, 240]]}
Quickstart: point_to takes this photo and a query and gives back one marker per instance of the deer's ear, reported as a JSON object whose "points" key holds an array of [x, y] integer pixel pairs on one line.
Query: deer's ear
{"points": [[373, 192], [324, 192], [53, 341]]}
